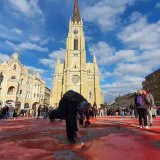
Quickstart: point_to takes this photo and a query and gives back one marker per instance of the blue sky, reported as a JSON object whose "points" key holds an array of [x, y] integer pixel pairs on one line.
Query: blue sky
{"points": [[124, 35]]}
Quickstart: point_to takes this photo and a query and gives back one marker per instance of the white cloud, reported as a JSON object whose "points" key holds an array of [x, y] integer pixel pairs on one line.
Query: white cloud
{"points": [[129, 67], [45, 41], [8, 33], [107, 55], [17, 31], [28, 8], [102, 51], [105, 13], [115, 89], [35, 38], [58, 54], [48, 62], [134, 63], [41, 39], [88, 38], [51, 62], [158, 5], [141, 35], [4, 57], [27, 46], [34, 69], [49, 80]]}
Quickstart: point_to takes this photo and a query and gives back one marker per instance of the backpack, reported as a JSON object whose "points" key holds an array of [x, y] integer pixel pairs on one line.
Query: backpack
{"points": [[140, 101]]}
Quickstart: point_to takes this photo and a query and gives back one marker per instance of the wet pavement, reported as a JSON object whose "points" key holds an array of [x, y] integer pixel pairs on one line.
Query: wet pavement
{"points": [[108, 138]]}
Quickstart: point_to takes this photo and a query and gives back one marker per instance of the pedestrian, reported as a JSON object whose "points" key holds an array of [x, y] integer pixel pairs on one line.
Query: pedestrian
{"points": [[132, 110], [142, 109], [39, 112], [0, 113], [94, 110], [4, 112], [1, 117], [101, 112], [14, 115], [7, 112], [149, 100], [155, 111], [84, 114], [52, 115], [87, 115]]}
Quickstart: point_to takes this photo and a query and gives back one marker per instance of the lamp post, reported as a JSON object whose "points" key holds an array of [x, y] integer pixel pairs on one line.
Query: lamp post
{"points": [[1, 78]]}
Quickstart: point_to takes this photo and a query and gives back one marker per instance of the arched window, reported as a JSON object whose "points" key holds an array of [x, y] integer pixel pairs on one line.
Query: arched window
{"points": [[75, 44], [13, 77], [90, 94], [11, 90], [26, 105], [14, 67]]}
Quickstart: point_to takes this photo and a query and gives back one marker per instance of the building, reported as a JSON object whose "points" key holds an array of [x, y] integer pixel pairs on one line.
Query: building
{"points": [[47, 97], [124, 101], [75, 74], [152, 84], [20, 86]]}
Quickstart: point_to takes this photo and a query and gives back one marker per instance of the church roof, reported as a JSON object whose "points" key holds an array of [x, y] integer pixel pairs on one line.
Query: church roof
{"points": [[76, 13]]}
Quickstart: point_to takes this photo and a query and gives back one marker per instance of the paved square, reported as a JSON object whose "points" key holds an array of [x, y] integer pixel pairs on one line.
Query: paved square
{"points": [[109, 138]]}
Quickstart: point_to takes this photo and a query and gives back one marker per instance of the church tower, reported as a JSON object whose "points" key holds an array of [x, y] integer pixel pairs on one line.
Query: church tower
{"points": [[75, 74]]}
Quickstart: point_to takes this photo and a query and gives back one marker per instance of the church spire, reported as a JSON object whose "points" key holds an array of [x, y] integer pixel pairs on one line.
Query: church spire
{"points": [[58, 60], [76, 13], [94, 59]]}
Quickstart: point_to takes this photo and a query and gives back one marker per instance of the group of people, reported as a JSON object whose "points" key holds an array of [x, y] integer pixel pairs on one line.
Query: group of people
{"points": [[43, 111], [4, 112], [10, 112], [144, 103]]}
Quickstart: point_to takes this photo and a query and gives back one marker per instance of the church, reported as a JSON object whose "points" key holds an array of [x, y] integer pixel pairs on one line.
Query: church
{"points": [[75, 74]]}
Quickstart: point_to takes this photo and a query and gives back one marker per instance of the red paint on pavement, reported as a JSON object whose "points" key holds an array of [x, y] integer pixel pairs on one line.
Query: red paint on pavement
{"points": [[109, 138]]}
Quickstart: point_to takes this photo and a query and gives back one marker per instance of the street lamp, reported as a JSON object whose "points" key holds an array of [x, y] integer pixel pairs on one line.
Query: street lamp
{"points": [[1, 78]]}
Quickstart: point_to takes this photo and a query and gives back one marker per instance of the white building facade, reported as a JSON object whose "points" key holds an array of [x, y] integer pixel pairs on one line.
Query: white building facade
{"points": [[20, 86]]}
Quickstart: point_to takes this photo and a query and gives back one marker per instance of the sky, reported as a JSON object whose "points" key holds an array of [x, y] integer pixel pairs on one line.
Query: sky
{"points": [[123, 34]]}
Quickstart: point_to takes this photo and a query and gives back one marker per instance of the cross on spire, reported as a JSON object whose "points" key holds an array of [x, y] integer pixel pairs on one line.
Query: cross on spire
{"points": [[76, 13]]}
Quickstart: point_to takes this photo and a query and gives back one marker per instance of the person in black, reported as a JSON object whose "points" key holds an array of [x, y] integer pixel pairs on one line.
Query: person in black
{"points": [[71, 121], [39, 111], [0, 113], [67, 110], [7, 112], [14, 114], [4, 112]]}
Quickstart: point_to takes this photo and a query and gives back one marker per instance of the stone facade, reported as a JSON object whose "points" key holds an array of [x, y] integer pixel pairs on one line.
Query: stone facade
{"points": [[152, 84], [75, 74], [20, 87], [47, 97]]}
